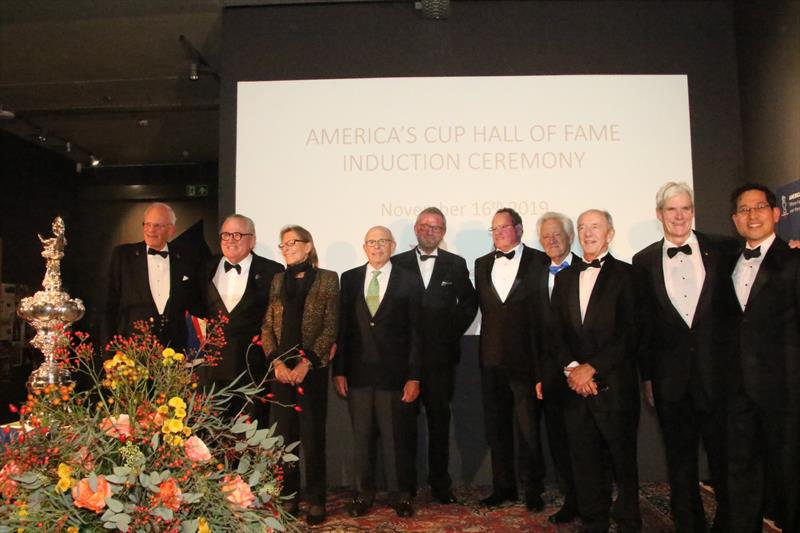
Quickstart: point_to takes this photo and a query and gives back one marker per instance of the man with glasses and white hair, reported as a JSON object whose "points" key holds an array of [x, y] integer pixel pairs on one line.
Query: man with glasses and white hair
{"points": [[509, 295], [681, 364], [377, 368], [151, 281], [236, 286]]}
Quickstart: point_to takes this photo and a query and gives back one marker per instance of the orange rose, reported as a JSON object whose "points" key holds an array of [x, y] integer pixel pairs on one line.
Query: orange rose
{"points": [[169, 494], [196, 450], [116, 426], [8, 487], [85, 497], [237, 491]]}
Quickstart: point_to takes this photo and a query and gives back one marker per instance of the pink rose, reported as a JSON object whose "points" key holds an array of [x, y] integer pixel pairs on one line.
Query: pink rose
{"points": [[196, 450], [8, 487], [237, 491], [116, 426], [85, 497]]}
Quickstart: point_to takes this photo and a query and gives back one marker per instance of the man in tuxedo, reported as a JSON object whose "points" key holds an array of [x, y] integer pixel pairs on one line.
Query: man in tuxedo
{"points": [[507, 282], [151, 281], [764, 403], [594, 303], [377, 368], [681, 366], [448, 308], [556, 234], [236, 286]]}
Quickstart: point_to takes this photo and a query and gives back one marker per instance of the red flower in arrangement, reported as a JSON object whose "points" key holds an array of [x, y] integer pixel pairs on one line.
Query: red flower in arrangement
{"points": [[298, 408], [169, 494], [8, 487], [94, 500], [300, 391]]}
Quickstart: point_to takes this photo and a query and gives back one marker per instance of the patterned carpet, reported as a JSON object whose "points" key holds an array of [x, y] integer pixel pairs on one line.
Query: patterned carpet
{"points": [[468, 517]]}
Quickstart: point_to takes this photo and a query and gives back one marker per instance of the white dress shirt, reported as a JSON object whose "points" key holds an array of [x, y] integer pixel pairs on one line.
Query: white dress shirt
{"points": [[587, 280], [746, 271], [551, 278], [683, 278], [158, 277], [504, 272], [426, 267], [231, 284], [383, 279]]}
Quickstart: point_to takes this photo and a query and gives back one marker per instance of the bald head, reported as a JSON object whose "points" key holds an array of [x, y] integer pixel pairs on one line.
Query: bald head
{"points": [[379, 246]]}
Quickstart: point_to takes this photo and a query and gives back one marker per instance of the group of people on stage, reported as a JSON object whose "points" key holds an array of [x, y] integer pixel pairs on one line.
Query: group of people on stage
{"points": [[710, 329]]}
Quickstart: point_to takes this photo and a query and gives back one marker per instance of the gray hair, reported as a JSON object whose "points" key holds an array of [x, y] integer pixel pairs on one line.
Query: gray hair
{"points": [[564, 220], [172, 218], [433, 211], [251, 226], [671, 189], [609, 220]]}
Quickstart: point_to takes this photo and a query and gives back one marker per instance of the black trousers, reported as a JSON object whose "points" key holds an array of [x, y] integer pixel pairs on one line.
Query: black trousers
{"points": [[603, 449], [559, 450], [683, 425], [381, 415], [436, 394], [763, 445], [307, 426], [505, 401]]}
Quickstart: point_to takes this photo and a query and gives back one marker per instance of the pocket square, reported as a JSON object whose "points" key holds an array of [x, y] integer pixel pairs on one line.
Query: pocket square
{"points": [[185, 278], [445, 283]]}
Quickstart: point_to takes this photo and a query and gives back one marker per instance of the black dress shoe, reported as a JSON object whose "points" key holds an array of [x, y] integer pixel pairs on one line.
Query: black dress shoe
{"points": [[534, 503], [497, 498], [358, 507], [562, 516], [316, 515], [445, 497], [403, 508]]}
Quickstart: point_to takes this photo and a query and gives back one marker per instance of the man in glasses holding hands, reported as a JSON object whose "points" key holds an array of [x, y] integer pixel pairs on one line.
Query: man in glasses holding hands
{"points": [[236, 286]]}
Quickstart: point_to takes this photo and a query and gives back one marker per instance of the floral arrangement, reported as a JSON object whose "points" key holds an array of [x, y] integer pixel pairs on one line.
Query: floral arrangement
{"points": [[142, 448]]}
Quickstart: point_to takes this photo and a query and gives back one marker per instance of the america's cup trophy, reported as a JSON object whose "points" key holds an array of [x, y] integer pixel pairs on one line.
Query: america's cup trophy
{"points": [[50, 312]]}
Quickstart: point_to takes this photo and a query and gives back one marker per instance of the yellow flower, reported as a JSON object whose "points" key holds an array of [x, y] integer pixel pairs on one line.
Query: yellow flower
{"points": [[165, 427], [174, 425], [176, 402], [64, 484], [163, 409], [23, 511], [180, 413], [64, 471], [72, 529], [187, 431], [177, 441], [202, 526], [178, 357], [168, 353]]}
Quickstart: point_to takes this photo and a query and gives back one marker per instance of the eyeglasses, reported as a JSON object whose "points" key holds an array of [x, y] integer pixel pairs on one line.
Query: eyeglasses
{"points": [[372, 243], [500, 227], [154, 225], [744, 210], [236, 236], [428, 227], [290, 244]]}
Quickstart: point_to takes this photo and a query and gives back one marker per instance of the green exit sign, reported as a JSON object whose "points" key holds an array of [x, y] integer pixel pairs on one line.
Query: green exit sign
{"points": [[197, 190]]}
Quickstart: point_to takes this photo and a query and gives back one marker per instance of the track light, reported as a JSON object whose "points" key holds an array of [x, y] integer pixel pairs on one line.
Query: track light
{"points": [[193, 75], [94, 161]]}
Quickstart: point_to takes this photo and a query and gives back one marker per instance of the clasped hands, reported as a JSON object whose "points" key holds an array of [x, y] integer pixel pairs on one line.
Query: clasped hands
{"points": [[579, 379], [293, 376]]}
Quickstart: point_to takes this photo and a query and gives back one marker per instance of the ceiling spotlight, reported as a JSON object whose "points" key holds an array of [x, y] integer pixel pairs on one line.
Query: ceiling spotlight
{"points": [[68, 147], [94, 161], [193, 75], [42, 138]]}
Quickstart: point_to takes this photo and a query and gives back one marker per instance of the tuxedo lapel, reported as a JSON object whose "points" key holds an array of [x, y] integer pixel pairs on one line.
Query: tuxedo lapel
{"points": [[141, 273], [440, 266], [765, 271], [523, 268], [489, 283], [594, 306], [574, 298], [391, 288], [660, 284], [710, 266]]}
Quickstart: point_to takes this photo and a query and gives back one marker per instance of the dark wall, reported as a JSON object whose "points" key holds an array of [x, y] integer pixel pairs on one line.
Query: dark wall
{"points": [[389, 39]]}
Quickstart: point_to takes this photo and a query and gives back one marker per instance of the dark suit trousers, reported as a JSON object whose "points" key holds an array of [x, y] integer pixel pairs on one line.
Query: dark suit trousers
{"points": [[504, 402], [682, 426], [436, 393], [380, 414], [307, 426], [559, 450], [603, 448], [762, 444]]}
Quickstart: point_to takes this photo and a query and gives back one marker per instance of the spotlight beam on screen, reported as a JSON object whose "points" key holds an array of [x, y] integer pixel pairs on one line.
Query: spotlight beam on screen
{"points": [[340, 156]]}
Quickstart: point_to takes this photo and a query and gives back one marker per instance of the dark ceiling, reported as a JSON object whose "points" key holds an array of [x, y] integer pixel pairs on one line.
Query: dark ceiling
{"points": [[111, 78]]}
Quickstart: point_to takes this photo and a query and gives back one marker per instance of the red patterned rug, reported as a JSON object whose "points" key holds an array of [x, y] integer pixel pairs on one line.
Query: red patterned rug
{"points": [[468, 517]]}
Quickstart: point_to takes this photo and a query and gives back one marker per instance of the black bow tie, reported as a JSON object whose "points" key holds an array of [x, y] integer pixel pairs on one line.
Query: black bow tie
{"points": [[674, 250], [229, 266], [510, 255], [425, 257], [751, 254], [597, 263], [162, 253]]}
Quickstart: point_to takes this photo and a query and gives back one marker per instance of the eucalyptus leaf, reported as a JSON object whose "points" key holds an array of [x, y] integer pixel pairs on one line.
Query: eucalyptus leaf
{"points": [[292, 446], [244, 465], [163, 512], [114, 505], [290, 457], [126, 470], [274, 524], [189, 526], [254, 478], [240, 446], [191, 497]]}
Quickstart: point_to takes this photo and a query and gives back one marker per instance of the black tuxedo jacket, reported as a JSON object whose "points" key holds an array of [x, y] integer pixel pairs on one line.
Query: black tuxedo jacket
{"points": [[244, 320], [129, 298], [672, 354], [769, 330], [449, 305], [607, 338], [511, 330], [384, 350]]}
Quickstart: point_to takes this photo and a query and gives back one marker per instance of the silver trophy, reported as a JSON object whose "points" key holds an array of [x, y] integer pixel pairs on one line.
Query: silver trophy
{"points": [[51, 312]]}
